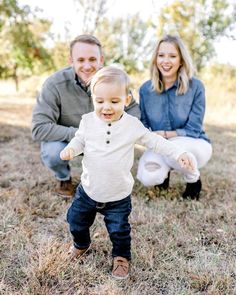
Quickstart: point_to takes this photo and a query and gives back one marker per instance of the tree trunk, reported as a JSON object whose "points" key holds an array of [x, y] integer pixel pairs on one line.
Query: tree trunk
{"points": [[16, 78]]}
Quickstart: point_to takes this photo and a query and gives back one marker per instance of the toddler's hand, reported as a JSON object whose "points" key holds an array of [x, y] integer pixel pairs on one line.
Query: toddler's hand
{"points": [[186, 162], [67, 154]]}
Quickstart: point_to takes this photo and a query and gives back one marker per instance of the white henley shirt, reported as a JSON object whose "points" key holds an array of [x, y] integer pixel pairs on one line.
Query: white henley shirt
{"points": [[109, 154]]}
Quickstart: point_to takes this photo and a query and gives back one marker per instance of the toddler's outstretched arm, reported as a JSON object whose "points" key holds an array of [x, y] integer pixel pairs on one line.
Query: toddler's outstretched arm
{"points": [[186, 162]]}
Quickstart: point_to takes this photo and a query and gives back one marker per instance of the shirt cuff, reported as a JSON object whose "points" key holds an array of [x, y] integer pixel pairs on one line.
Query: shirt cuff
{"points": [[71, 133], [180, 132]]}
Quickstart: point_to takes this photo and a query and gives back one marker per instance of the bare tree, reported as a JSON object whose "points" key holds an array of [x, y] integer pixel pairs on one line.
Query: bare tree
{"points": [[92, 12]]}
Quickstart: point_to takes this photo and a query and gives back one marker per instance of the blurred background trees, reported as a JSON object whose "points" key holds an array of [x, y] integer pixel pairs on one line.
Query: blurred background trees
{"points": [[22, 37], [199, 23], [28, 46]]}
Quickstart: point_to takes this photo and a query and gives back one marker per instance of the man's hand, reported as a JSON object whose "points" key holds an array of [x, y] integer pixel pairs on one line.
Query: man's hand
{"points": [[186, 162], [67, 154]]}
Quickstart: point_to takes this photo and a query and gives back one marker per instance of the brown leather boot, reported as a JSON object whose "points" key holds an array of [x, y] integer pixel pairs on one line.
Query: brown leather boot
{"points": [[120, 268], [65, 189], [77, 253]]}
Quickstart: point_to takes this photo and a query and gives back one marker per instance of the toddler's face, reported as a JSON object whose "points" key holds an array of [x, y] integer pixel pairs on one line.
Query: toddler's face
{"points": [[109, 101]]}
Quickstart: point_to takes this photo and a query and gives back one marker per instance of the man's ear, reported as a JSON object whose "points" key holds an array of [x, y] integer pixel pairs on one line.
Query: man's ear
{"points": [[70, 61], [128, 99], [102, 60]]}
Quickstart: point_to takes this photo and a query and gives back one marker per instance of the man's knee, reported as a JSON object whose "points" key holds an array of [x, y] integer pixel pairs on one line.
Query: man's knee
{"points": [[50, 153]]}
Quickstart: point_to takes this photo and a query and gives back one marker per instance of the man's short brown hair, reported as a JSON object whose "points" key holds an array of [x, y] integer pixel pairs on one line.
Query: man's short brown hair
{"points": [[88, 39]]}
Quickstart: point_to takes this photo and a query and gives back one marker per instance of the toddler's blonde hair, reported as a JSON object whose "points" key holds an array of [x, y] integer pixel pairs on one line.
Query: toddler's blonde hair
{"points": [[110, 74]]}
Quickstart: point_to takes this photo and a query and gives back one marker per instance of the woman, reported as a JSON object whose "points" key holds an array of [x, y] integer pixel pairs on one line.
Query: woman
{"points": [[172, 104]]}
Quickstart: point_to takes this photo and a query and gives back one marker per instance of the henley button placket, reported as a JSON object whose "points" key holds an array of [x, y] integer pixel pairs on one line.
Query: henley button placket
{"points": [[108, 133]]}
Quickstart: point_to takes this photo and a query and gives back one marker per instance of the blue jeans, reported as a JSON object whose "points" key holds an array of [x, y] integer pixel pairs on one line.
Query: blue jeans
{"points": [[50, 155], [81, 216]]}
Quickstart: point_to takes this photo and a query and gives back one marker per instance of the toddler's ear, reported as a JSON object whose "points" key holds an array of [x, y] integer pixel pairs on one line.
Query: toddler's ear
{"points": [[128, 100]]}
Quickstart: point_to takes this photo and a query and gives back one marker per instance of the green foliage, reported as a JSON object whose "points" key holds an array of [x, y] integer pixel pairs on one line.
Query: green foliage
{"points": [[126, 41], [22, 37], [60, 54], [199, 23]]}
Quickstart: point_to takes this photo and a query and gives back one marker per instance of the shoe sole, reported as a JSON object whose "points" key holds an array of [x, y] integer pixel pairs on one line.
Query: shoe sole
{"points": [[120, 278]]}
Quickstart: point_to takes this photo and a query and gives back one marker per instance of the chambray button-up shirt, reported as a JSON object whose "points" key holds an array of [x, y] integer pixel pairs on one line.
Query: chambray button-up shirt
{"points": [[168, 111]]}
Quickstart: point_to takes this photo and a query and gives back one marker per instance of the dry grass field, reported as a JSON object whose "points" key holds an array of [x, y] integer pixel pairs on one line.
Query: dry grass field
{"points": [[178, 247]]}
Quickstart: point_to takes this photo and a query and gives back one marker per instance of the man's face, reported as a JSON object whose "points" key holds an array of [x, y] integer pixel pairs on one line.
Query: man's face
{"points": [[86, 60]]}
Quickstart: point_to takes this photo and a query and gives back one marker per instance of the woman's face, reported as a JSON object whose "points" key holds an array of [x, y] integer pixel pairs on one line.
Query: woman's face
{"points": [[168, 61]]}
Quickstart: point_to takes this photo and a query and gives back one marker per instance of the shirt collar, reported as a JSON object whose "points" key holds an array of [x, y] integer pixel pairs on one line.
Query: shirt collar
{"points": [[80, 83], [175, 85], [101, 122]]}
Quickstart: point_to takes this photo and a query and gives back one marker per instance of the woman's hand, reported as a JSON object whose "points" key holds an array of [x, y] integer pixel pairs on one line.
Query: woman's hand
{"points": [[67, 154], [166, 134], [160, 132]]}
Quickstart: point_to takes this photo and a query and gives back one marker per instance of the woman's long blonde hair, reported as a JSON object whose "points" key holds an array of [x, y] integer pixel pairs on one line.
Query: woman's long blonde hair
{"points": [[185, 71]]}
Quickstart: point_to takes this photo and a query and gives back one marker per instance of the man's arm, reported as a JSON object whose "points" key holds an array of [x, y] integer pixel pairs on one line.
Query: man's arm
{"points": [[45, 117], [133, 108]]}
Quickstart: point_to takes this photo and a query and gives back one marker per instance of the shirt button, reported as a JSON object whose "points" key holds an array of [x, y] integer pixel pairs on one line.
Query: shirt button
{"points": [[109, 124], [108, 141], [108, 132]]}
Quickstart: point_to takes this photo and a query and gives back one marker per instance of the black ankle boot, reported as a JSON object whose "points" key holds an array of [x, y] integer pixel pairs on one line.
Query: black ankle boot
{"points": [[193, 190], [165, 184]]}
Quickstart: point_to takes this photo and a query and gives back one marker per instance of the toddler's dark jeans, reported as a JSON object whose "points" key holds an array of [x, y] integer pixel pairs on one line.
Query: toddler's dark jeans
{"points": [[81, 216]]}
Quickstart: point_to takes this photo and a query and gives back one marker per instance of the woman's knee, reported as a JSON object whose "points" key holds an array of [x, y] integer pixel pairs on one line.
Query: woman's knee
{"points": [[204, 156], [151, 177]]}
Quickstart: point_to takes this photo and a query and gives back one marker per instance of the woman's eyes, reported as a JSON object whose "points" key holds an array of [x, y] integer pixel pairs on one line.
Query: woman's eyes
{"points": [[171, 56]]}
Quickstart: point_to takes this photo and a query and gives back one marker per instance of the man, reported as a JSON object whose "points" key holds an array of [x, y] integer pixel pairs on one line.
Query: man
{"points": [[64, 98]]}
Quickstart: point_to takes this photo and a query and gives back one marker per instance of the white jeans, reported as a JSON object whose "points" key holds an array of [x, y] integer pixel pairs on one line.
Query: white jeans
{"points": [[199, 149]]}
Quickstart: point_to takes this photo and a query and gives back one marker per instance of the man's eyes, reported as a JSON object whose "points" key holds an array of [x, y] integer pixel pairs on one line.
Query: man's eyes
{"points": [[83, 60]]}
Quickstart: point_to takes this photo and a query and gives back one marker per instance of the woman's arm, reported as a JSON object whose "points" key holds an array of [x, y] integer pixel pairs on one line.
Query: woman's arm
{"points": [[166, 133], [194, 123], [144, 118]]}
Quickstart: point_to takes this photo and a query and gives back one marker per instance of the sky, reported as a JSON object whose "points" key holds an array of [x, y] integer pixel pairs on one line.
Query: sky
{"points": [[63, 13]]}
